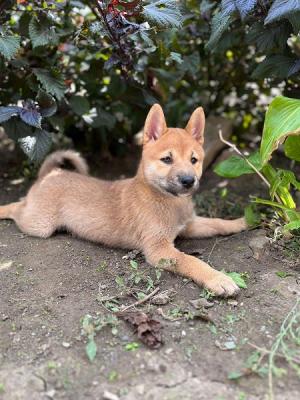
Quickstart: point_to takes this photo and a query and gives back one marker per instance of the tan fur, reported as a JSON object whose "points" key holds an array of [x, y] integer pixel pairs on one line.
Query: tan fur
{"points": [[59, 157], [146, 212]]}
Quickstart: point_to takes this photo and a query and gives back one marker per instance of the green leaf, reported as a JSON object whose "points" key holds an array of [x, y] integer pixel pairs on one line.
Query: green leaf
{"points": [[9, 45], [236, 166], [104, 119], [42, 32], [272, 204], [282, 120], [245, 7], [238, 279], [280, 181], [282, 274], [266, 38], [36, 147], [79, 104], [133, 264], [252, 216], [295, 21], [235, 375], [281, 9], [163, 13], [274, 66], [294, 225], [51, 81], [219, 24], [292, 148], [91, 349], [16, 129]]}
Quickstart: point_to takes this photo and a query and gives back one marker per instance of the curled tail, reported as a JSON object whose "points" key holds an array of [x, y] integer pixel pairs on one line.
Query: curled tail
{"points": [[57, 159]]}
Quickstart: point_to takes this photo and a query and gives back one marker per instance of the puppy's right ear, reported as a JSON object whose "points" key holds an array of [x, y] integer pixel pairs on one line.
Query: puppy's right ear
{"points": [[155, 124]]}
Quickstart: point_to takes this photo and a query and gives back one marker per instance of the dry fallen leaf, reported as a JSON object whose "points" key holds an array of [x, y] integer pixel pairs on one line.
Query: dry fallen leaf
{"points": [[147, 328]]}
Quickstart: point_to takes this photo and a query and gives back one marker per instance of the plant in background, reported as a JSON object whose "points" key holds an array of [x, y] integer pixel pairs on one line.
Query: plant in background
{"points": [[73, 59], [105, 62], [282, 125]]}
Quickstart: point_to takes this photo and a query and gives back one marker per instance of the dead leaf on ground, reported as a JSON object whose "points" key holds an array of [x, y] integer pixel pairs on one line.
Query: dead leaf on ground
{"points": [[147, 328]]}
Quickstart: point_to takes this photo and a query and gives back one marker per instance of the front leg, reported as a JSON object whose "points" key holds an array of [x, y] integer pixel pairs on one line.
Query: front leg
{"points": [[189, 267], [201, 227]]}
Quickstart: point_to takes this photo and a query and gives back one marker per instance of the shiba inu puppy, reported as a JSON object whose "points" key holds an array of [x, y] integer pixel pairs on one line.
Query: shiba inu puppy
{"points": [[146, 212]]}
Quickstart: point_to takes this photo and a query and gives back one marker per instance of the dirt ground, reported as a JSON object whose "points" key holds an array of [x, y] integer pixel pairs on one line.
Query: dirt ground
{"points": [[48, 286]]}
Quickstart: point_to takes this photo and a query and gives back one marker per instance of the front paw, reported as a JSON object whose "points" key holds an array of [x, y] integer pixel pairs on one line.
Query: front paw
{"points": [[222, 285], [241, 224]]}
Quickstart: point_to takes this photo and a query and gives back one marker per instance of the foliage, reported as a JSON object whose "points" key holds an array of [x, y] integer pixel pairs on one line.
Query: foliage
{"points": [[282, 121], [103, 63], [285, 348], [91, 325]]}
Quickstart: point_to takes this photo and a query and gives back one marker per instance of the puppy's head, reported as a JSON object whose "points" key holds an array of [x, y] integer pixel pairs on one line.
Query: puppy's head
{"points": [[172, 158]]}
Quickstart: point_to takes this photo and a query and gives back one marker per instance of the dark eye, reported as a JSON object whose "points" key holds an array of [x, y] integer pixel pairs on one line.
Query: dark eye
{"points": [[167, 160], [193, 160]]}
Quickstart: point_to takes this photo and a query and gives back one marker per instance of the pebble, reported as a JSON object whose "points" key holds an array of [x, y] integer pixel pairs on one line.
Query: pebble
{"points": [[66, 345], [110, 396], [232, 302], [200, 303]]}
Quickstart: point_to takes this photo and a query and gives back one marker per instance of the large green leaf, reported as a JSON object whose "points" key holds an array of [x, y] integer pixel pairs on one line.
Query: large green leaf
{"points": [[79, 104], [9, 45], [274, 66], [16, 129], [51, 81], [164, 13], [219, 25], [36, 147], [282, 120], [295, 21], [292, 148], [42, 32], [281, 9], [236, 166]]}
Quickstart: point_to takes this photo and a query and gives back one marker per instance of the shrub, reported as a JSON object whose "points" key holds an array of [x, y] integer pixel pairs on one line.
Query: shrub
{"points": [[90, 69]]}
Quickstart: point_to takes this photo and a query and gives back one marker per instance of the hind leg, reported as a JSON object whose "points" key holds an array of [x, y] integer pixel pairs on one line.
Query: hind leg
{"points": [[8, 211], [30, 220]]}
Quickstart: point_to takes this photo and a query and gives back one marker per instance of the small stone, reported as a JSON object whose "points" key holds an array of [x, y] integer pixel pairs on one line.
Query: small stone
{"points": [[169, 351], [66, 345], [140, 389], [110, 396], [258, 245], [232, 302], [201, 302], [50, 393]]}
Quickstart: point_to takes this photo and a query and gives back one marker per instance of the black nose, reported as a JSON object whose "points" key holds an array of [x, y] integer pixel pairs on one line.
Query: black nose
{"points": [[186, 180]]}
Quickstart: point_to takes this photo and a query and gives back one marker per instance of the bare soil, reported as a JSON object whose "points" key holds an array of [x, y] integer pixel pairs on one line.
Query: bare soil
{"points": [[48, 286]]}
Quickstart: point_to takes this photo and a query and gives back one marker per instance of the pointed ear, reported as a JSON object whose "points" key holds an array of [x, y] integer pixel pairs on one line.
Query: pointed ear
{"points": [[196, 125], [155, 124]]}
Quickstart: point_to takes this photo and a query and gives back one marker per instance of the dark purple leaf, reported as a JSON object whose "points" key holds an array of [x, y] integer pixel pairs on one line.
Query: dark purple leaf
{"points": [[7, 112]]}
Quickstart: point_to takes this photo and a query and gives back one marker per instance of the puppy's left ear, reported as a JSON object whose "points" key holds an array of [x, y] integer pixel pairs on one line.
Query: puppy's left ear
{"points": [[196, 125]]}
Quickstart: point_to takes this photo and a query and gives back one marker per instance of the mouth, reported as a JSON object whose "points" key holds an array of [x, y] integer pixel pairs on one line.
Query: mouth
{"points": [[178, 190]]}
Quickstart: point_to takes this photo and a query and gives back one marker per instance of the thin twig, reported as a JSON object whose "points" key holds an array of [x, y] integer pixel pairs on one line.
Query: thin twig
{"points": [[234, 147], [212, 250], [141, 301], [113, 37], [266, 351]]}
